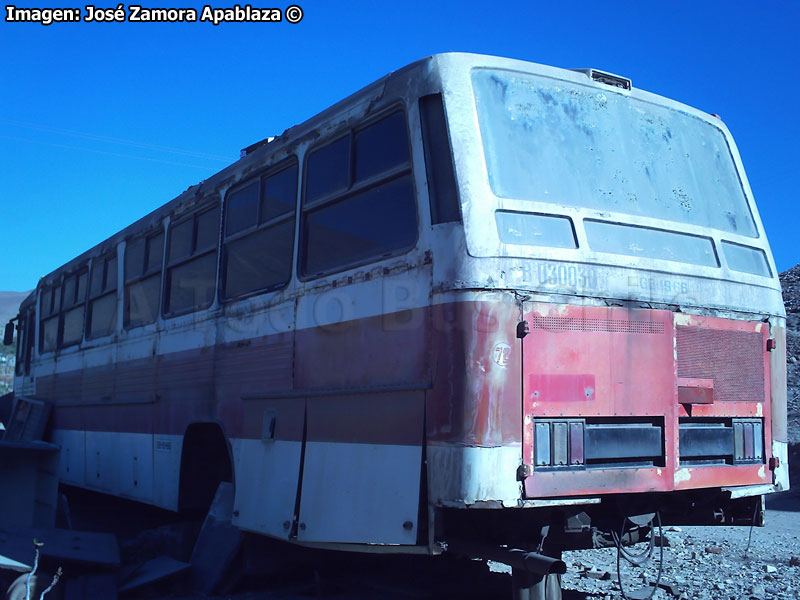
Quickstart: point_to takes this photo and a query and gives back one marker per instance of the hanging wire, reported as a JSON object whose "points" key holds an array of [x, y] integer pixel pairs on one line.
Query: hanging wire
{"points": [[752, 524], [640, 558]]}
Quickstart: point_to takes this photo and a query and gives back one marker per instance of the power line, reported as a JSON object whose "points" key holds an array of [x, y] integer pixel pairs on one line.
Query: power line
{"points": [[133, 156], [113, 140]]}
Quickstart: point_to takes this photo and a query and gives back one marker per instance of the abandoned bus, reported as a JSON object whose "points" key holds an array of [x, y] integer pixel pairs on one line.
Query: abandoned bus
{"points": [[477, 297]]}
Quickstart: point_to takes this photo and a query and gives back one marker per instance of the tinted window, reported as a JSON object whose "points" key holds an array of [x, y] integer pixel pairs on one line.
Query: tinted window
{"points": [[242, 209], [47, 301], [375, 215], [191, 285], [80, 292], [260, 260], [142, 301], [102, 315], [30, 332], [111, 274], [98, 271], [104, 275], [381, 147], [73, 326], [142, 293], [56, 306], [438, 161], [134, 258], [155, 253], [371, 224], [207, 230], [69, 290], [328, 169], [192, 269], [62, 312], [180, 240], [279, 195], [49, 334]]}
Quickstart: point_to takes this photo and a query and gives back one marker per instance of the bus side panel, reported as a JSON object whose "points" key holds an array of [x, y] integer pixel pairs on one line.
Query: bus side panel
{"points": [[361, 477], [267, 464], [780, 447], [73, 450], [474, 411], [475, 398]]}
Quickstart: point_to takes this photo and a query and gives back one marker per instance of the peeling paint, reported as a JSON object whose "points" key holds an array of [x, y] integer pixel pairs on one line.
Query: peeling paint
{"points": [[759, 410], [762, 472], [682, 475]]}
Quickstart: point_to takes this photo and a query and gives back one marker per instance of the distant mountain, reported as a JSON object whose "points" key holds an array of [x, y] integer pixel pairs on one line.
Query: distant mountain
{"points": [[9, 305]]}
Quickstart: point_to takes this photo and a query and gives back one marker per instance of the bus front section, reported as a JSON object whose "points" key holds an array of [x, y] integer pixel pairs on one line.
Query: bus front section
{"points": [[617, 316]]}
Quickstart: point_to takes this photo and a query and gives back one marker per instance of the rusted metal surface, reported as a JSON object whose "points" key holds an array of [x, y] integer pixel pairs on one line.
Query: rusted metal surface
{"points": [[637, 374]]}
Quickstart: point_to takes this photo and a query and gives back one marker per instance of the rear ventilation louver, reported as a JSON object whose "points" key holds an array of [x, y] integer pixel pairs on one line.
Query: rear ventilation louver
{"points": [[609, 325], [734, 360]]}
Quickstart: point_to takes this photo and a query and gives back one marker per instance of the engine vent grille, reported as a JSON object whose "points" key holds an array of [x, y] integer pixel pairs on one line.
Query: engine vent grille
{"points": [[609, 325], [733, 359]]}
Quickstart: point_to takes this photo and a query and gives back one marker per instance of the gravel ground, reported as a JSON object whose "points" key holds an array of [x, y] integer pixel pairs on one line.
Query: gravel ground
{"points": [[706, 563], [700, 563]]}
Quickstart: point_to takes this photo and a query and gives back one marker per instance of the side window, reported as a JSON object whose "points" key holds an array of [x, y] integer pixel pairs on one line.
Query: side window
{"points": [[102, 313], [62, 312], [259, 233], [192, 263], [73, 308], [48, 318], [438, 161], [142, 295], [359, 202], [26, 328], [30, 336]]}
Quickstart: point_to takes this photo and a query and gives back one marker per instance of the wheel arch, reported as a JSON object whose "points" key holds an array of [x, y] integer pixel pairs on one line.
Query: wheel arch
{"points": [[206, 461]]}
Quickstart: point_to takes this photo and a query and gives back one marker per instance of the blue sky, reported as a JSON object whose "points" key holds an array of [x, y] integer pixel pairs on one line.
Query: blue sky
{"points": [[102, 122]]}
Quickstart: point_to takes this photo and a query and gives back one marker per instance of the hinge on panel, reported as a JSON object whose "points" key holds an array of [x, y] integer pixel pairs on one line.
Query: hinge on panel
{"points": [[523, 329]]}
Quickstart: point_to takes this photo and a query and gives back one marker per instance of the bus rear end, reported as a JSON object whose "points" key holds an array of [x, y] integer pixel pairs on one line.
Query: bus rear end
{"points": [[618, 309]]}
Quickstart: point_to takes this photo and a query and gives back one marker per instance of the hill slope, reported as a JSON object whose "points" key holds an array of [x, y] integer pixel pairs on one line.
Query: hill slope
{"points": [[790, 281], [9, 305]]}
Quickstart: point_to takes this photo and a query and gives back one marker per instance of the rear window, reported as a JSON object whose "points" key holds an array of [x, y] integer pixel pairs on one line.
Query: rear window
{"points": [[559, 142]]}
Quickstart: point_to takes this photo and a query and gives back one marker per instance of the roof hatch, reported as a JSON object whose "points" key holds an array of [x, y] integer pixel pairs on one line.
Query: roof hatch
{"points": [[607, 78]]}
